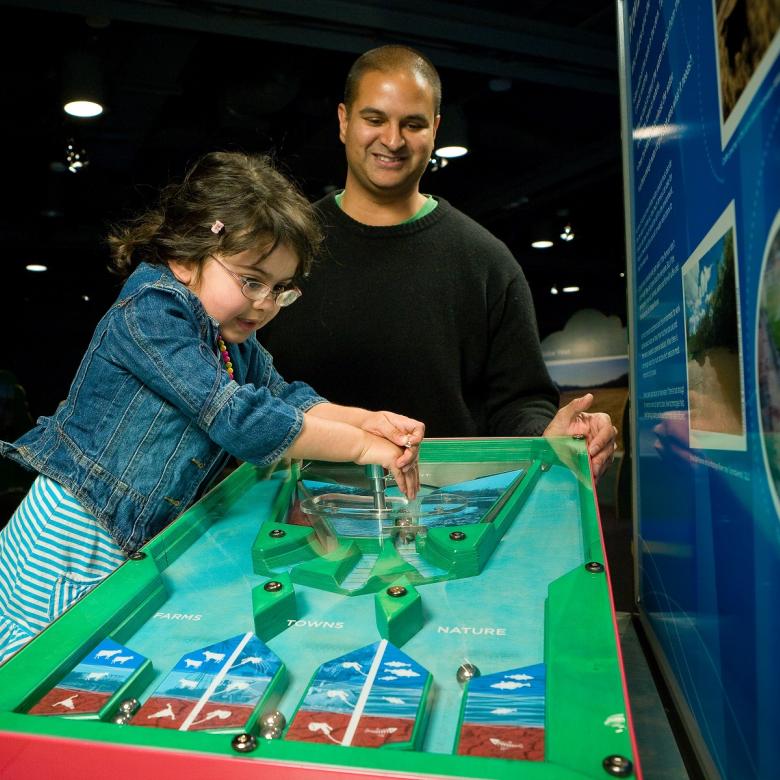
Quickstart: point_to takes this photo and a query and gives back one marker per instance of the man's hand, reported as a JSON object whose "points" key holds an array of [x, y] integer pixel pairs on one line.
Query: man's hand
{"points": [[600, 434]]}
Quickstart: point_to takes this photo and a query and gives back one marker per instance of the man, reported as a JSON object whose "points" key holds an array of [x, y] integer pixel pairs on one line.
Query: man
{"points": [[414, 306]]}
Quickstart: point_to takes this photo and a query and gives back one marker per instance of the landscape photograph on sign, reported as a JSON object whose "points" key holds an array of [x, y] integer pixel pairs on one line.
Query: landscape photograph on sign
{"points": [[747, 39], [716, 415]]}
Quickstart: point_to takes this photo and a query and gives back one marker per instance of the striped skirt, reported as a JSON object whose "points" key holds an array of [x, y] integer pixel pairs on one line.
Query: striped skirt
{"points": [[52, 552]]}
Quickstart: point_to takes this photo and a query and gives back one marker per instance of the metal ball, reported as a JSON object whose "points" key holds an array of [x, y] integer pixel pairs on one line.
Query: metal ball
{"points": [[120, 719], [466, 672], [269, 732], [273, 719], [128, 706], [402, 523]]}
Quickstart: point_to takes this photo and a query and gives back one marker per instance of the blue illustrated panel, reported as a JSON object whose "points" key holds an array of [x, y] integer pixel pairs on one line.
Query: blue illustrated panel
{"points": [[86, 690], [373, 696], [503, 715], [215, 687]]}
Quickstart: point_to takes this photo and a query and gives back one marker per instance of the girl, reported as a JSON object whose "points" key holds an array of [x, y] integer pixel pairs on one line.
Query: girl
{"points": [[172, 384]]}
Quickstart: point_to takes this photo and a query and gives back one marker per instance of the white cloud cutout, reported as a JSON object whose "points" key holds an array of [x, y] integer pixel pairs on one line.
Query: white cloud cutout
{"points": [[587, 334]]}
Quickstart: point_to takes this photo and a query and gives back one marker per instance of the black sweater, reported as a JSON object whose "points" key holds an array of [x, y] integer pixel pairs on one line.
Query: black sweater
{"points": [[431, 318]]}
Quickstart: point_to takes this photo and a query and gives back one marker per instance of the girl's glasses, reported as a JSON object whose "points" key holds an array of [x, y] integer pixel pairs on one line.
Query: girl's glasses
{"points": [[257, 291]]}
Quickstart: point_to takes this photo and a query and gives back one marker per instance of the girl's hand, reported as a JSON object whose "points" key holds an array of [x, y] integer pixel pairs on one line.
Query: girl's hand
{"points": [[402, 431], [378, 450]]}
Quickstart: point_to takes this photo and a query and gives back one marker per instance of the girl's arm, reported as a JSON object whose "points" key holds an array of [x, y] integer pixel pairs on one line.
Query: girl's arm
{"points": [[333, 440], [403, 431], [352, 415]]}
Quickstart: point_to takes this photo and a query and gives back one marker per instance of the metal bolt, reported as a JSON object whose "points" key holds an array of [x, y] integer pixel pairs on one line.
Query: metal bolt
{"points": [[467, 672], [244, 743], [396, 591], [618, 766], [137, 556], [277, 533], [273, 586], [457, 536], [594, 567]]}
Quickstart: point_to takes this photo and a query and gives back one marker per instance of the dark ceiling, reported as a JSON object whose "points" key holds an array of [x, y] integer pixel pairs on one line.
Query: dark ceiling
{"points": [[537, 82]]}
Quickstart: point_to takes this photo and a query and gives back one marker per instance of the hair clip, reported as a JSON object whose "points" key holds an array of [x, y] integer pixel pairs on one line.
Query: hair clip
{"points": [[217, 227]]}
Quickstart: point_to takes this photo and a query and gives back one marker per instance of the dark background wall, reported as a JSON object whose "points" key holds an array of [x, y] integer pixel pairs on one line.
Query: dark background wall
{"points": [[536, 82]]}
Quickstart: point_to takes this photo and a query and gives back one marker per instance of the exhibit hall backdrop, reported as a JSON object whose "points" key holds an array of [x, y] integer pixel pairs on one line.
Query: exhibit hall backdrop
{"points": [[701, 127]]}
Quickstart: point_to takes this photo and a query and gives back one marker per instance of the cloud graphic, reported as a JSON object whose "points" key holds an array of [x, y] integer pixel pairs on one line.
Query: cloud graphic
{"points": [[587, 334]]}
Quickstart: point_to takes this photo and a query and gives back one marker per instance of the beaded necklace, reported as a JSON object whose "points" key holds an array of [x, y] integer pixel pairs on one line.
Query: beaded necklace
{"points": [[225, 355]]}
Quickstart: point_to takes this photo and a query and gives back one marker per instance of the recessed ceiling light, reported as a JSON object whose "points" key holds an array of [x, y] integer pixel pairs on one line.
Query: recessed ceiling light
{"points": [[36, 267], [449, 152], [572, 288], [83, 108], [543, 243], [553, 290]]}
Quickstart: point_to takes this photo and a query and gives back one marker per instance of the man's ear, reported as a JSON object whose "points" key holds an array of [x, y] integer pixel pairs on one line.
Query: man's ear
{"points": [[436, 122], [343, 122]]}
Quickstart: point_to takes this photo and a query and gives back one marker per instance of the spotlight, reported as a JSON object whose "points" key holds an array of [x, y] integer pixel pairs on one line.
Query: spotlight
{"points": [[553, 290], [82, 85], [36, 268], [543, 235], [452, 151], [83, 108], [437, 163], [452, 137], [572, 288], [567, 234]]}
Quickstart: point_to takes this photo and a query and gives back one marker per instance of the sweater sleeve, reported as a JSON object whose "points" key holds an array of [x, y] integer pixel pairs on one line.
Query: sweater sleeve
{"points": [[521, 396]]}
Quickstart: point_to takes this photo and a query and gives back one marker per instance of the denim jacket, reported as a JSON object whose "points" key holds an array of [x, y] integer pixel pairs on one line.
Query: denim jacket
{"points": [[152, 412]]}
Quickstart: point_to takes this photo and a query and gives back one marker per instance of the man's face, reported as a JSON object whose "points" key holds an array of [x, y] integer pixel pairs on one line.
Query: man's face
{"points": [[388, 133]]}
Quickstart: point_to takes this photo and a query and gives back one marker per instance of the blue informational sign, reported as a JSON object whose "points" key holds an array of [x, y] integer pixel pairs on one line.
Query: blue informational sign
{"points": [[701, 112]]}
